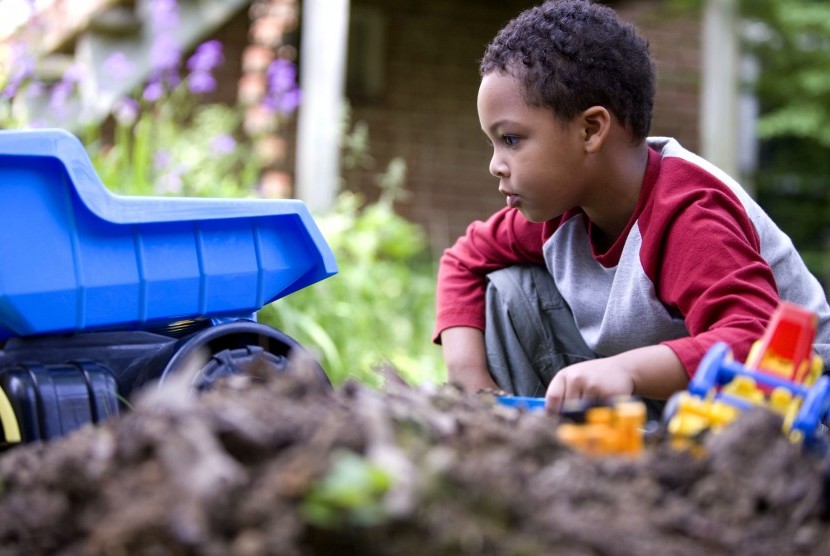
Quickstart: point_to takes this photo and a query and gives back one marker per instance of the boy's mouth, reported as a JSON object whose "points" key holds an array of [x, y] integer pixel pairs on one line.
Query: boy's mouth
{"points": [[512, 199]]}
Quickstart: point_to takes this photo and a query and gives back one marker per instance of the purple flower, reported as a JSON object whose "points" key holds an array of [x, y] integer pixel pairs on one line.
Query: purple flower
{"points": [[125, 111], [153, 91], [207, 57], [35, 89], [201, 82], [286, 102], [60, 94], [64, 88], [162, 159], [22, 63], [74, 73], [165, 52], [164, 15], [118, 66], [282, 75], [169, 183], [283, 95], [223, 144]]}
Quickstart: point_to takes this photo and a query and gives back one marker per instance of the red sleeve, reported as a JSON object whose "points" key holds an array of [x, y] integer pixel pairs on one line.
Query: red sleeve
{"points": [[709, 268], [505, 239]]}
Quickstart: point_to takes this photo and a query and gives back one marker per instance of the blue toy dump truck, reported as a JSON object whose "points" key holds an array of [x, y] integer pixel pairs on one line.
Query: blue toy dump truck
{"points": [[101, 293]]}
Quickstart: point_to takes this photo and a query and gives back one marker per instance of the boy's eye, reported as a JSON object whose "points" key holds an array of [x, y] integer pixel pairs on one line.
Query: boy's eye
{"points": [[510, 140]]}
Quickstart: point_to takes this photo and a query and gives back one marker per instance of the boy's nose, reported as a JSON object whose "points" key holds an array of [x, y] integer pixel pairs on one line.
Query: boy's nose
{"points": [[497, 166]]}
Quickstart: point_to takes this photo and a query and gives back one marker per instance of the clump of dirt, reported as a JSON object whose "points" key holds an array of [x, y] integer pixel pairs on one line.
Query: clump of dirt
{"points": [[283, 464]]}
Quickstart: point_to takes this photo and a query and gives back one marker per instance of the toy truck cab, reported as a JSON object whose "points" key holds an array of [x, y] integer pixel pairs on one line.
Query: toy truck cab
{"points": [[102, 293], [786, 348]]}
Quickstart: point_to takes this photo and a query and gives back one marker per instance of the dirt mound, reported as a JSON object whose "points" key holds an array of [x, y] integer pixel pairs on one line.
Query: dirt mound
{"points": [[267, 464]]}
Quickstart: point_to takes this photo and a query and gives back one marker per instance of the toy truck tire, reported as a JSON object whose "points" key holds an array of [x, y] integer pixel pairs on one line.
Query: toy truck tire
{"points": [[226, 349], [815, 408]]}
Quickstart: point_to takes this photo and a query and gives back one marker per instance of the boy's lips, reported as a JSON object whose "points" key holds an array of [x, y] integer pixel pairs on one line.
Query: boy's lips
{"points": [[512, 199]]}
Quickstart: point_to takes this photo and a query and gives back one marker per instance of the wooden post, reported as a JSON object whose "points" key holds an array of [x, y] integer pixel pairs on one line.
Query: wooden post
{"points": [[325, 25], [719, 107]]}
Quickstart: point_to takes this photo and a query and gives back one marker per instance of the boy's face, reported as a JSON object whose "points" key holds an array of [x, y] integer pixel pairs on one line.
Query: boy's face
{"points": [[536, 157]]}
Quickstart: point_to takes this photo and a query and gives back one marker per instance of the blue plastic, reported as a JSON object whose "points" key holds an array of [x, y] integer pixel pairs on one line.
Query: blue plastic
{"points": [[76, 257], [522, 402], [814, 409], [706, 376]]}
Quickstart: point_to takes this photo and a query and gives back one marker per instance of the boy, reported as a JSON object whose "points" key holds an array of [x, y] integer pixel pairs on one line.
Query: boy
{"points": [[654, 254]]}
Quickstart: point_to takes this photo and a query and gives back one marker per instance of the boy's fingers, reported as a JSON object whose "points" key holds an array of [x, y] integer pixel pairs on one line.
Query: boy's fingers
{"points": [[556, 393]]}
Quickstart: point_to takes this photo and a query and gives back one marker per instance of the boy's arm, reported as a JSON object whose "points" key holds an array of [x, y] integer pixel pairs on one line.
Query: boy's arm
{"points": [[505, 239], [651, 372], [465, 358], [710, 269]]}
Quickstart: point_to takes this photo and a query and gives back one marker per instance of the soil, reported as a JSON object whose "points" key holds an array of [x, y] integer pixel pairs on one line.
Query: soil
{"points": [[283, 464]]}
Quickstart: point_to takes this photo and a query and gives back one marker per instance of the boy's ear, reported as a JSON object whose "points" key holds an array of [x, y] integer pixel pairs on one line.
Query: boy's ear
{"points": [[596, 124]]}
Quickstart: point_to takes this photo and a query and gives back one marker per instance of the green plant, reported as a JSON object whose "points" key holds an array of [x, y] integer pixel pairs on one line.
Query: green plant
{"points": [[351, 493], [175, 147], [379, 308]]}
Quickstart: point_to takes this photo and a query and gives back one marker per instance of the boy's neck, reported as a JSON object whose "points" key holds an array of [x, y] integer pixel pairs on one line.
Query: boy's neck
{"points": [[620, 168]]}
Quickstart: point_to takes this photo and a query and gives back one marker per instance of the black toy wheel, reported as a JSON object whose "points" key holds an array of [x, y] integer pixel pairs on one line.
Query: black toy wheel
{"points": [[229, 348]]}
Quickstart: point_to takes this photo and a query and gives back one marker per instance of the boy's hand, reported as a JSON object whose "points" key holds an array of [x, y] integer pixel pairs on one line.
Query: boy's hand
{"points": [[651, 372], [589, 379]]}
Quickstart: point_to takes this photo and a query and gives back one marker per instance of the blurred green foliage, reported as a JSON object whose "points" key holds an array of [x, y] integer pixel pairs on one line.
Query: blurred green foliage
{"points": [[791, 41], [379, 309], [176, 147]]}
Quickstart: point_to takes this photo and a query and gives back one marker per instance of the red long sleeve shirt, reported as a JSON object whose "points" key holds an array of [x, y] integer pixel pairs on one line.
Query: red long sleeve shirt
{"points": [[698, 262]]}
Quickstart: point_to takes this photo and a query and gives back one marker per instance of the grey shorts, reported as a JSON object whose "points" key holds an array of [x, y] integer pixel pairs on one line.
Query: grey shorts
{"points": [[530, 331]]}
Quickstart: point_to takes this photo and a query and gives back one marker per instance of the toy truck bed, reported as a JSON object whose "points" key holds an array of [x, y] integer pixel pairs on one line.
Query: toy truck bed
{"points": [[75, 257]]}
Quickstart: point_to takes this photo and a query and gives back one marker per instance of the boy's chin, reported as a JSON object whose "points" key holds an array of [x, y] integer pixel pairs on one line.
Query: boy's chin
{"points": [[533, 217]]}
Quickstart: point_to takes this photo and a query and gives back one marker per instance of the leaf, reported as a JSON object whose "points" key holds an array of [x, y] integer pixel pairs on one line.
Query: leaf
{"points": [[350, 493]]}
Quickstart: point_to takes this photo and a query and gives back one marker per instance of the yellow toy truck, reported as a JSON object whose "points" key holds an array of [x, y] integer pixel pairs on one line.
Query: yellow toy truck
{"points": [[781, 373]]}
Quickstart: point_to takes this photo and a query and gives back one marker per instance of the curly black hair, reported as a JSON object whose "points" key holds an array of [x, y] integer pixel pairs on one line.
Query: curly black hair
{"points": [[574, 54]]}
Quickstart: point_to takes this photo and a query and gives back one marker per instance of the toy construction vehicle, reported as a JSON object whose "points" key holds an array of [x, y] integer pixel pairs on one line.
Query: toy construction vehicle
{"points": [[101, 294], [781, 373], [615, 427], [596, 428]]}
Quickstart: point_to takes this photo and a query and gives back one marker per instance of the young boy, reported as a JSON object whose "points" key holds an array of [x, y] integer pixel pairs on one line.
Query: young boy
{"points": [[619, 259]]}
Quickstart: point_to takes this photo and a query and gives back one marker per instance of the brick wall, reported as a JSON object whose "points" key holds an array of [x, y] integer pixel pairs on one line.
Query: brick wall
{"points": [[675, 44], [425, 109], [427, 112]]}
